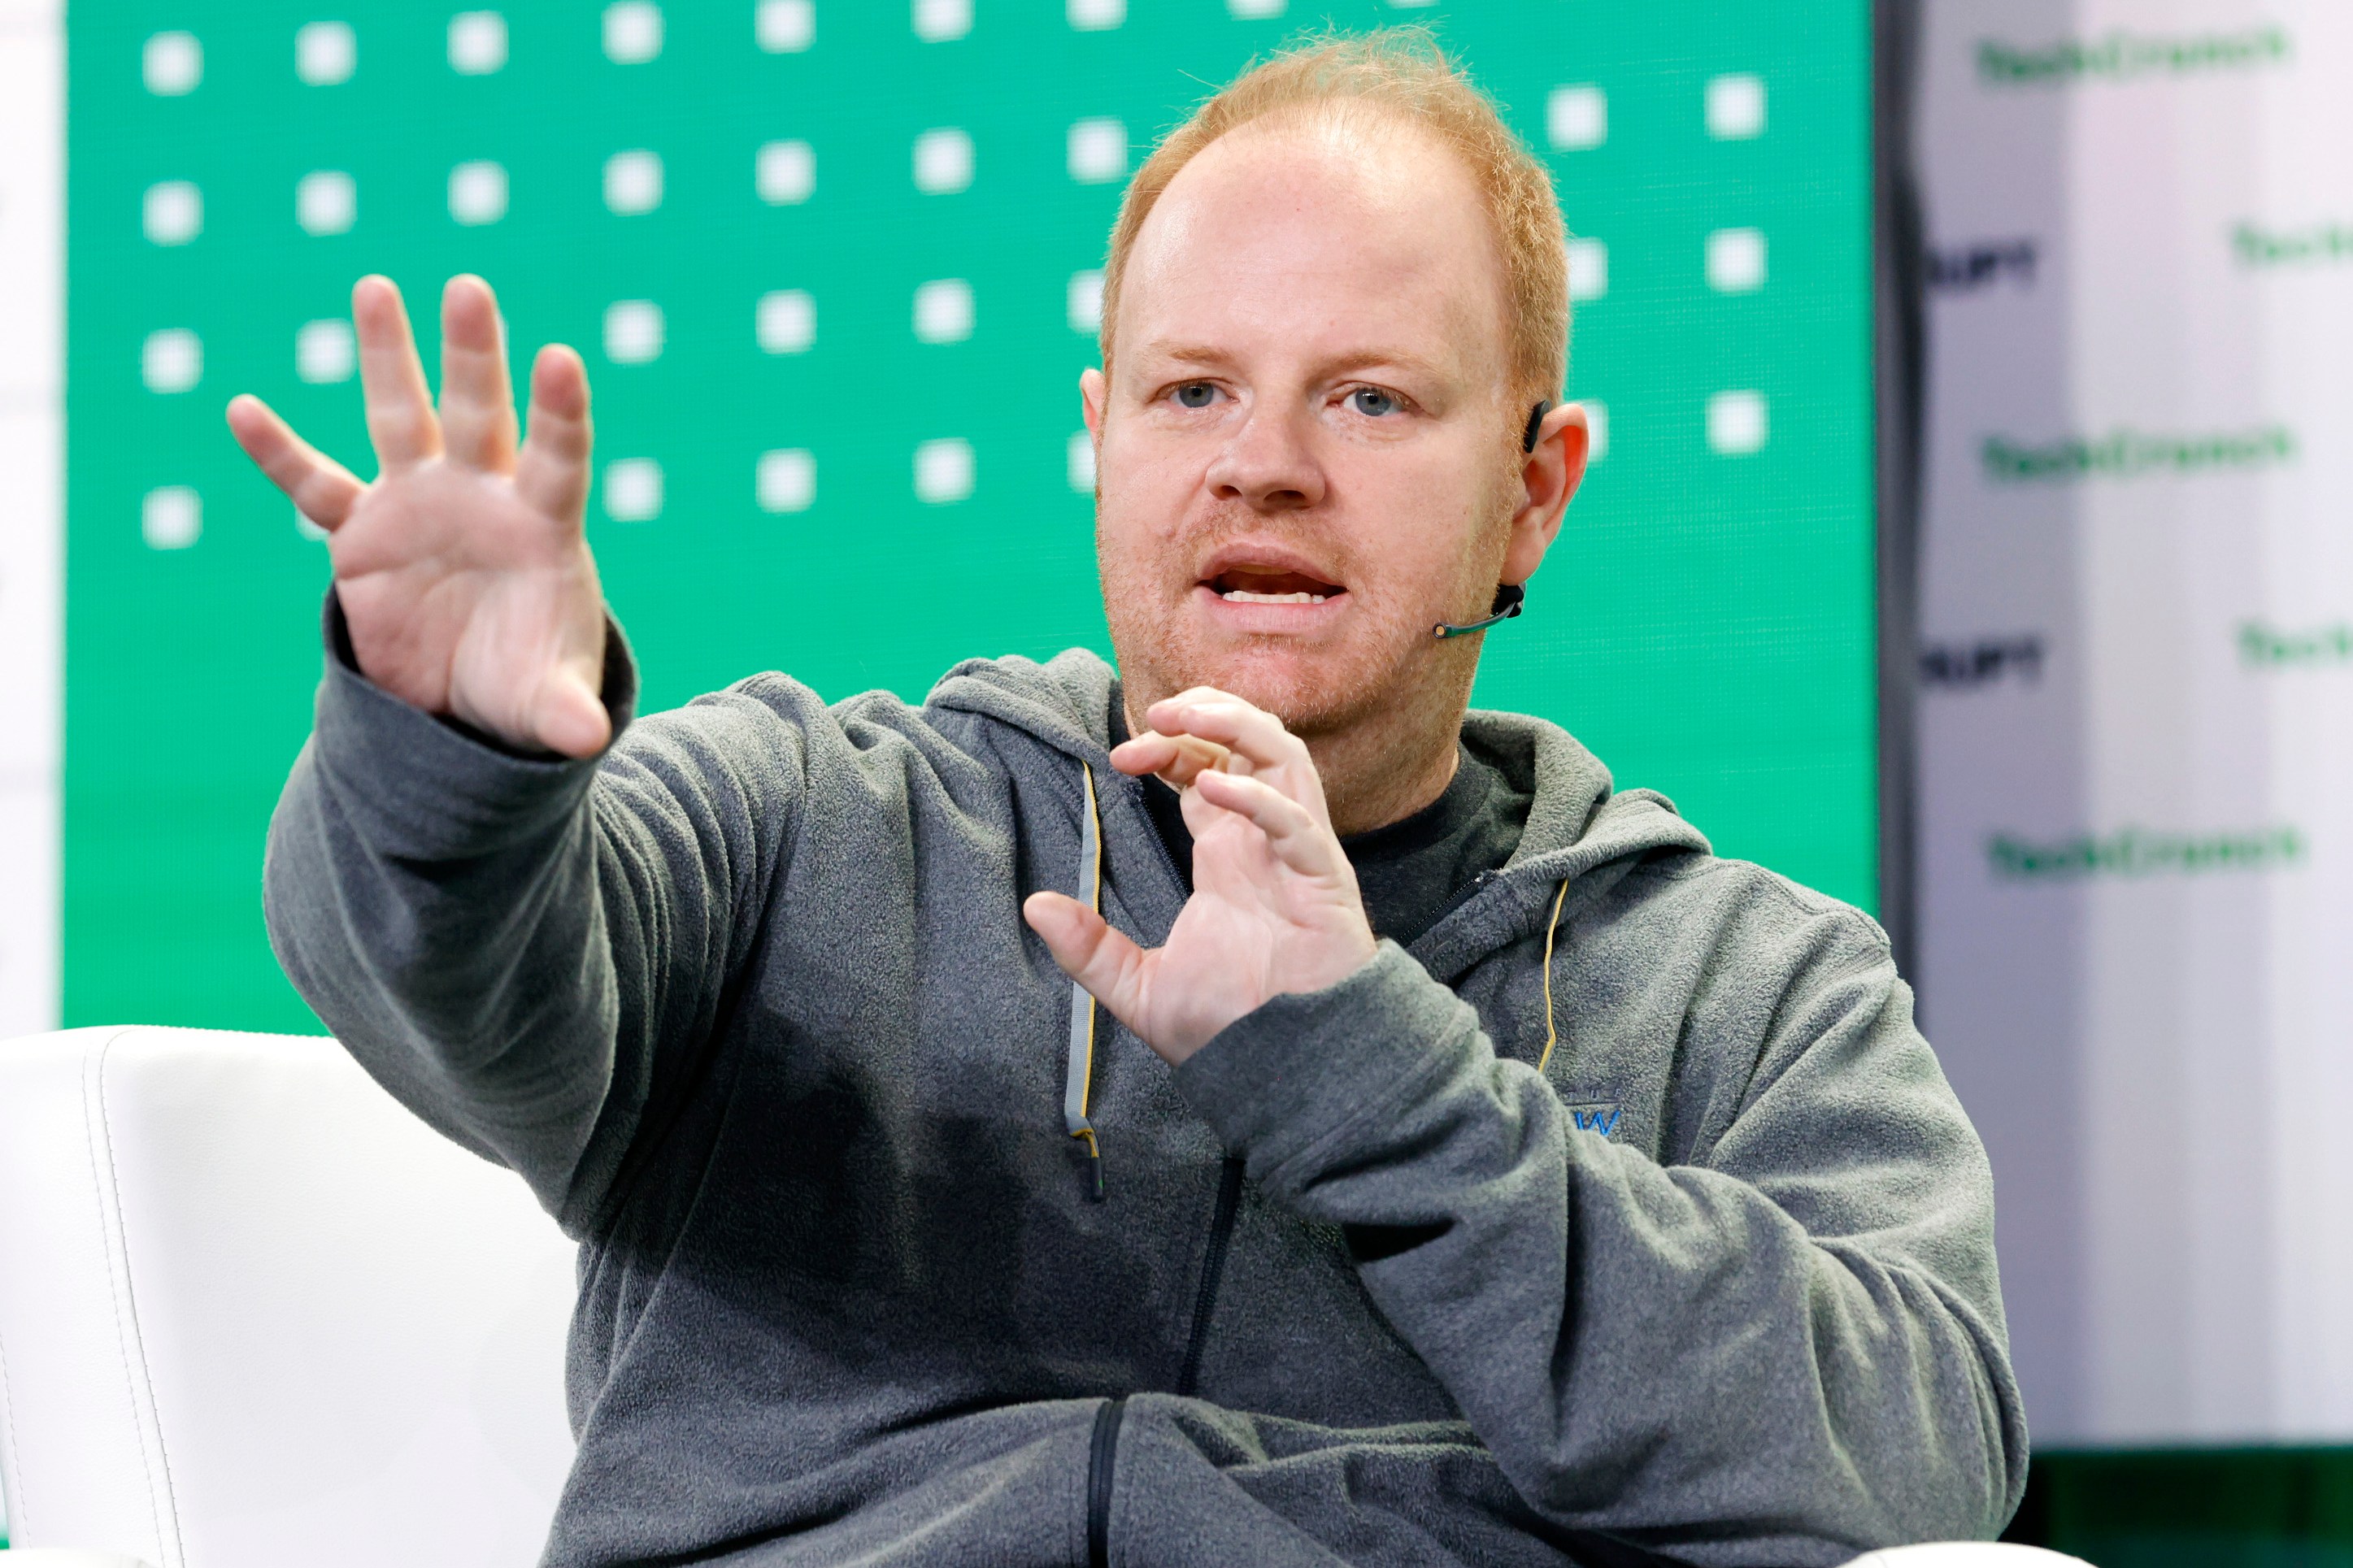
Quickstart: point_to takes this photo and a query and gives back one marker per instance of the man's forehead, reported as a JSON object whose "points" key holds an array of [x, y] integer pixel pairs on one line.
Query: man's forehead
{"points": [[1370, 232]]}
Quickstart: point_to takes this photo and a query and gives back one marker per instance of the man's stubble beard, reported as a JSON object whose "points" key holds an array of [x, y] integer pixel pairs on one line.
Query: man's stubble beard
{"points": [[1380, 719]]}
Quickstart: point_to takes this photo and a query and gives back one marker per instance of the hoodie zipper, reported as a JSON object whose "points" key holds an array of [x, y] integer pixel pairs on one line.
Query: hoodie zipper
{"points": [[1213, 1268], [1102, 1454]]}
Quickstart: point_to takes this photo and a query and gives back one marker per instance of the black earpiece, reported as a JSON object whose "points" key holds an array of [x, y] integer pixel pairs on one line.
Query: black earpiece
{"points": [[1535, 422]]}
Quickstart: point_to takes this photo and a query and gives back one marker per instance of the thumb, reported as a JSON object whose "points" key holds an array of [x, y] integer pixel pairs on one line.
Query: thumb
{"points": [[569, 716], [1106, 963]]}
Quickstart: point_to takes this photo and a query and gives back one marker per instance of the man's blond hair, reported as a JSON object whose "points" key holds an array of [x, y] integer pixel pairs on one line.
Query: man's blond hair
{"points": [[1401, 73]]}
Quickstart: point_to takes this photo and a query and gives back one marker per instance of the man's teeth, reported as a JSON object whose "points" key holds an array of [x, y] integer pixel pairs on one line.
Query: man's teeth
{"points": [[1244, 596]]}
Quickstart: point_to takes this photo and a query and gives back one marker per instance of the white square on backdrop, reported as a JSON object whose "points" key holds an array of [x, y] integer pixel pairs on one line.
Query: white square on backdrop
{"points": [[1736, 423], [1735, 107], [172, 63], [1576, 117], [171, 360], [1094, 15], [1085, 303], [786, 480], [171, 517], [1597, 425], [943, 162], [1080, 458], [633, 331], [633, 181], [326, 201], [173, 213], [1588, 268], [478, 192], [1098, 150], [784, 173], [633, 32], [944, 311], [786, 321], [1735, 261], [943, 470], [324, 353], [1251, 11], [940, 21], [326, 53], [478, 43], [633, 489], [785, 27]]}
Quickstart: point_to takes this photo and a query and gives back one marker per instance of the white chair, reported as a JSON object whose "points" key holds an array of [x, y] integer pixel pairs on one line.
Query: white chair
{"points": [[253, 1314], [1966, 1554]]}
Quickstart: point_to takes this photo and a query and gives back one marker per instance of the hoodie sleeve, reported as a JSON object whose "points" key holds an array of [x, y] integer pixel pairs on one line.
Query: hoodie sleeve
{"points": [[1790, 1350], [527, 953]]}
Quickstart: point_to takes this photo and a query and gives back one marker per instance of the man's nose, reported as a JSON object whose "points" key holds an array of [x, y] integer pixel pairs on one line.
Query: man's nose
{"points": [[1270, 464]]}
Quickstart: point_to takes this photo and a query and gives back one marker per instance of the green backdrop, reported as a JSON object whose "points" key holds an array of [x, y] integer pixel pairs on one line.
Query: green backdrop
{"points": [[1705, 623]]}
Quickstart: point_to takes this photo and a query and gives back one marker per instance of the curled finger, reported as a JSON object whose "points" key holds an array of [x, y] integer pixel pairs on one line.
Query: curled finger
{"points": [[1300, 840], [1250, 732]]}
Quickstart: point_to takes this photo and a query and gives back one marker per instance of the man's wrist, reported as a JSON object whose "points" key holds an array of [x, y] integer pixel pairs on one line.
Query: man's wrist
{"points": [[1303, 1069], [617, 685]]}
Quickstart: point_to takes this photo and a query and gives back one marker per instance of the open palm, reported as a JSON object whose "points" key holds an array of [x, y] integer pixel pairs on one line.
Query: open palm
{"points": [[464, 570]]}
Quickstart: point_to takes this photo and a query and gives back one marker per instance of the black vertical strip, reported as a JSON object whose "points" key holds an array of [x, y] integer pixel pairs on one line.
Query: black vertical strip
{"points": [[1213, 1268], [1899, 322], [1103, 1461]]}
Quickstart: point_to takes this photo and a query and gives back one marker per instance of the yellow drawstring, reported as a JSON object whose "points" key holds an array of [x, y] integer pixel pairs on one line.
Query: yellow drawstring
{"points": [[1552, 1036], [1079, 1078]]}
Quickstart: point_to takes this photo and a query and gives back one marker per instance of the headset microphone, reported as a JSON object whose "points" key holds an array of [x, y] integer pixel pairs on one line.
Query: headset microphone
{"points": [[1508, 600], [1511, 597]]}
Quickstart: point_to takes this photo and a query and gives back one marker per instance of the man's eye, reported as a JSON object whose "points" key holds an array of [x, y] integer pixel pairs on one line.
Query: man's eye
{"points": [[1196, 395], [1372, 400]]}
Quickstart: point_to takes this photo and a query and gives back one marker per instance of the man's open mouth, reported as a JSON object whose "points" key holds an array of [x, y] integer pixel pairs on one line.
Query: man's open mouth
{"points": [[1244, 586]]}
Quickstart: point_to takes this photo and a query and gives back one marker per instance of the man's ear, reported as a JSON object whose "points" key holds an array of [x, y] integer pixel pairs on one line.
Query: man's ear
{"points": [[1092, 393], [1548, 476]]}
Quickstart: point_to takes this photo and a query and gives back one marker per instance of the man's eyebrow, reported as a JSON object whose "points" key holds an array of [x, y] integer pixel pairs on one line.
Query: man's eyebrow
{"points": [[1337, 365]]}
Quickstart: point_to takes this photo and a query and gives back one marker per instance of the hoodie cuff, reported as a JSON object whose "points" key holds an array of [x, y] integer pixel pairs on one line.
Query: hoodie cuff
{"points": [[1310, 1069], [436, 788]]}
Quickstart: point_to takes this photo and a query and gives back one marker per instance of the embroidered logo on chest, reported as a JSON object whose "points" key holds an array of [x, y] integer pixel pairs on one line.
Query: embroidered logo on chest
{"points": [[1594, 1115]]}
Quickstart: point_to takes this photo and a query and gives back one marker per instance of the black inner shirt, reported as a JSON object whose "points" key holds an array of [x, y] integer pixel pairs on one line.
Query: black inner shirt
{"points": [[1411, 872]]}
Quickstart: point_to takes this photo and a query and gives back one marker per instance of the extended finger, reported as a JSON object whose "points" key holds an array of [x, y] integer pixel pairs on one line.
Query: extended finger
{"points": [[321, 488], [1298, 838], [399, 409], [1105, 962], [553, 472], [1251, 731], [477, 416]]}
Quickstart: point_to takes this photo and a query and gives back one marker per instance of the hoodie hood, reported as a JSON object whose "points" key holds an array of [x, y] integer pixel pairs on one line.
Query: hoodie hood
{"points": [[1581, 830]]}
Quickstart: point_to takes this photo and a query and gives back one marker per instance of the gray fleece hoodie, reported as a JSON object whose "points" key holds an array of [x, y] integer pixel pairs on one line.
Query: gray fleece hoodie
{"points": [[1376, 1275]]}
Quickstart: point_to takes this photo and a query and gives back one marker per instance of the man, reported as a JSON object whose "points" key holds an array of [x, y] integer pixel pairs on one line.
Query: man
{"points": [[1611, 1211]]}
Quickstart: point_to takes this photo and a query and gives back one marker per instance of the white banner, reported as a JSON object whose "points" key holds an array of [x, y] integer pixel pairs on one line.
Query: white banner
{"points": [[32, 510], [2136, 705]]}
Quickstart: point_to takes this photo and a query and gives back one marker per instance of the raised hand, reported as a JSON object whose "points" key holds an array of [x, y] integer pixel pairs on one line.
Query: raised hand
{"points": [[464, 570], [1275, 906]]}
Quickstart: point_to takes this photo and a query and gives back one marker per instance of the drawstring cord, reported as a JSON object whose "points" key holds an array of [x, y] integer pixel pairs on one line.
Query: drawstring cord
{"points": [[1079, 1077], [1552, 930]]}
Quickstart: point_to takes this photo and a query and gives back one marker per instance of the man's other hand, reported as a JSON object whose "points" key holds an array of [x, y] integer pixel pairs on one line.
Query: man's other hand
{"points": [[1275, 906], [464, 570]]}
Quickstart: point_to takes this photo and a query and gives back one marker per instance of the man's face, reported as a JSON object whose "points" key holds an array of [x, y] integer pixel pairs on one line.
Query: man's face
{"points": [[1306, 458]]}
